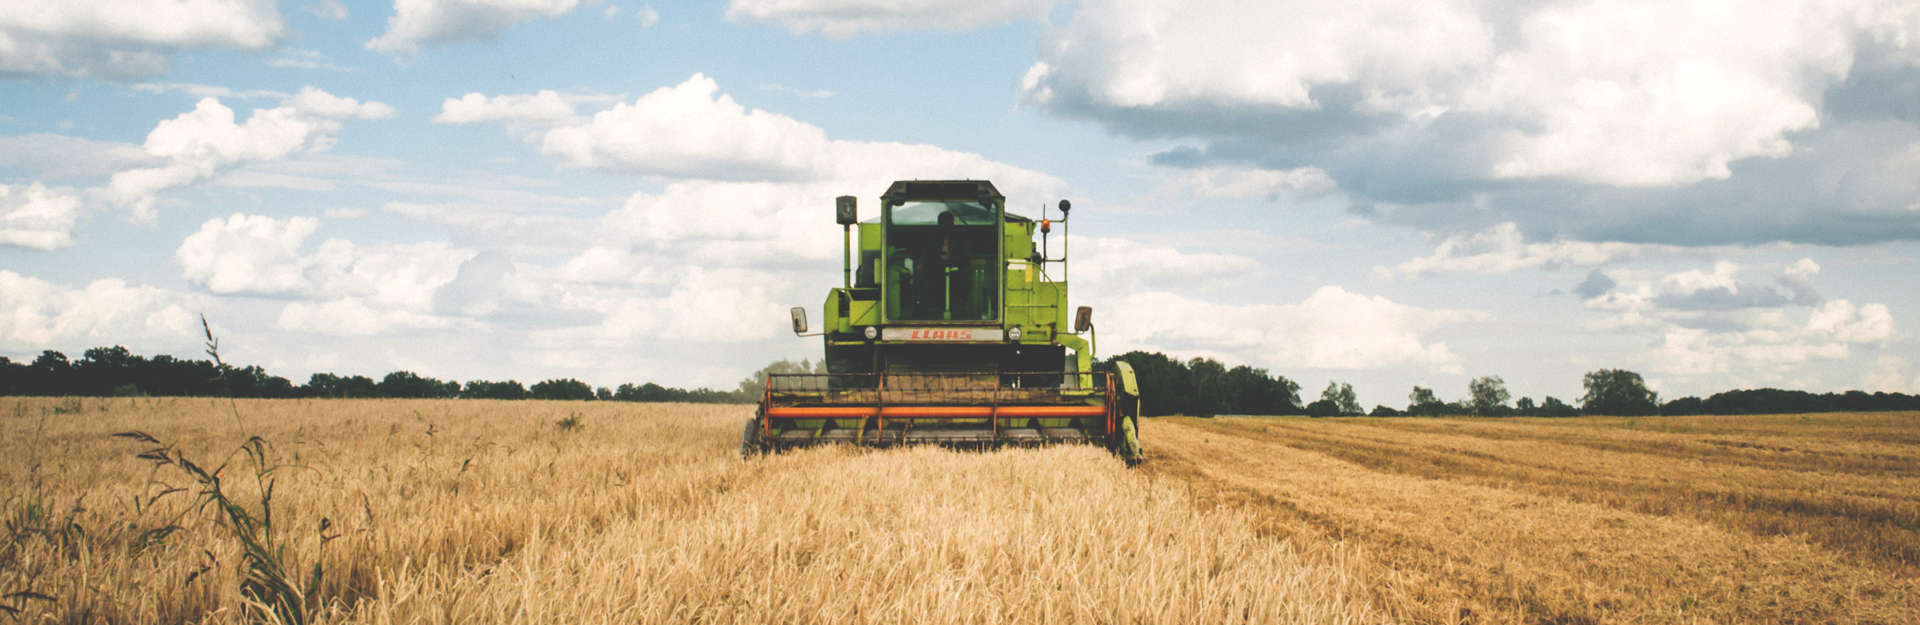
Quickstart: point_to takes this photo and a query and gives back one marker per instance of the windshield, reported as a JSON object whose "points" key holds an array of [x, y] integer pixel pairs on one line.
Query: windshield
{"points": [[941, 262]]}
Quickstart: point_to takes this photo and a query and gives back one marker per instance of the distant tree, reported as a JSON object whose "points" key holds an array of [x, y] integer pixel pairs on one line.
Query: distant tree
{"points": [[603, 394], [1211, 394], [330, 385], [562, 389], [1618, 392], [1489, 396], [1423, 402], [482, 389], [1337, 400], [1253, 392], [407, 384], [1166, 386], [1526, 408], [1551, 407], [1684, 406], [1383, 411]]}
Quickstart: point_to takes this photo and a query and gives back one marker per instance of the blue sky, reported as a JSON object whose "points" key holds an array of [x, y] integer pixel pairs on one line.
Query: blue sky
{"points": [[1715, 196]]}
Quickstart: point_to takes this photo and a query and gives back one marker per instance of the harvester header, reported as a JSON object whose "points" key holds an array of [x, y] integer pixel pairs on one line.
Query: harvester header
{"points": [[951, 327]]}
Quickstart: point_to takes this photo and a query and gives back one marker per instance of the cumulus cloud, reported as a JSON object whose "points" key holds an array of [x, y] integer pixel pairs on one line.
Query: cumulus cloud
{"points": [[1714, 322], [126, 39], [686, 131], [343, 288], [36, 314], [840, 19], [206, 141], [1597, 120], [1331, 329], [438, 22], [1774, 342], [36, 217]]}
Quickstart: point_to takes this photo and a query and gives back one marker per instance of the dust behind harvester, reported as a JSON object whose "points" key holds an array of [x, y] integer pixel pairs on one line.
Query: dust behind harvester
{"points": [[952, 328]]}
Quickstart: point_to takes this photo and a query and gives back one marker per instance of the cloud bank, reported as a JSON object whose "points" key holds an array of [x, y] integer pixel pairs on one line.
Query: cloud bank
{"points": [[1690, 123]]}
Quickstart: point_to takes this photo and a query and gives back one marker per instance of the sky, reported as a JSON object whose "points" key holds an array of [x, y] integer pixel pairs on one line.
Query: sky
{"points": [[1716, 195]]}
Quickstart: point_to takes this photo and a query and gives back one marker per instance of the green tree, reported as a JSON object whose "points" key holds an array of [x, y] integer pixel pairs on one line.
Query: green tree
{"points": [[568, 388], [1618, 392], [409, 384], [1211, 393], [1489, 396], [1422, 401], [1338, 399]]}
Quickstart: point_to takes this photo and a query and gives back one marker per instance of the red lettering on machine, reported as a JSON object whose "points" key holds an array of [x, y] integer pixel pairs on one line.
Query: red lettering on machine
{"points": [[936, 334]]}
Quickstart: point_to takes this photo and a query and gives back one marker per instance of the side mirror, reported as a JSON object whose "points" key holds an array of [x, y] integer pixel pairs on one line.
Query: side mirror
{"points": [[1082, 319], [1064, 207], [800, 320], [846, 210]]}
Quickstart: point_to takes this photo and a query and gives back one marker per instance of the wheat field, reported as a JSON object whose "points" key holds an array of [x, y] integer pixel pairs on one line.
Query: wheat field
{"points": [[1773, 519], [474, 511]]}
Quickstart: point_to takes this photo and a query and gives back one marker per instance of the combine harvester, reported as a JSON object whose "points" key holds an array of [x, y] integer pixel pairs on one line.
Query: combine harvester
{"points": [[951, 332]]}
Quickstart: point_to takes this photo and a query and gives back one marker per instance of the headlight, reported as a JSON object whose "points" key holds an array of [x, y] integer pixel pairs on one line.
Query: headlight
{"points": [[1013, 334], [872, 333]]}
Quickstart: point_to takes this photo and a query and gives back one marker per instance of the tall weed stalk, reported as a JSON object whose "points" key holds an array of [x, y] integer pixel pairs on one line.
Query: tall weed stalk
{"points": [[270, 589]]}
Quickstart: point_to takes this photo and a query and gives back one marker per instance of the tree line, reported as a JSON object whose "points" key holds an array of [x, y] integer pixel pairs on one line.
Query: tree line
{"points": [[1169, 386], [115, 371], [1205, 387]]}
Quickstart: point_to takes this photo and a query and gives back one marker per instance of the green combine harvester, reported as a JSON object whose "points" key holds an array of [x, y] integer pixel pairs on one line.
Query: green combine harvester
{"points": [[952, 331]]}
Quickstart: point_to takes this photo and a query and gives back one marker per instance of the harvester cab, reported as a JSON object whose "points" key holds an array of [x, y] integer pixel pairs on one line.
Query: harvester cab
{"points": [[951, 328]]}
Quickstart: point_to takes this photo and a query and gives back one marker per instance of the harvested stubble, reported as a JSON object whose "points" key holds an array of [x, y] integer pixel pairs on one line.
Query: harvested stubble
{"points": [[479, 511], [1794, 519]]}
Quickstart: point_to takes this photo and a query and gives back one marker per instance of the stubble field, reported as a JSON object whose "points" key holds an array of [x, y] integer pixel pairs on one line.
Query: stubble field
{"points": [[421, 511]]}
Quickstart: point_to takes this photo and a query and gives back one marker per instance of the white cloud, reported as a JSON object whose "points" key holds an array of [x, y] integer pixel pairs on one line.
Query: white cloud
{"points": [[34, 216], [694, 134], [436, 22], [1116, 267], [248, 254], [1634, 93], [1331, 329], [205, 141], [1502, 249], [841, 19], [1774, 344], [685, 131], [353, 289], [647, 16], [1227, 183], [546, 108], [1714, 323], [36, 315], [126, 38]]}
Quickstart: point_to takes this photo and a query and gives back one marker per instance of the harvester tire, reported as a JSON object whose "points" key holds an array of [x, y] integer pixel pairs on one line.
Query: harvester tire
{"points": [[1130, 441], [750, 439]]}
